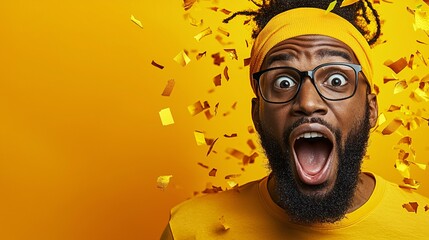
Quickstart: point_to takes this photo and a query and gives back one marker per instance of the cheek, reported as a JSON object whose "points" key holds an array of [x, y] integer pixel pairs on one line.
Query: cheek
{"points": [[274, 119]]}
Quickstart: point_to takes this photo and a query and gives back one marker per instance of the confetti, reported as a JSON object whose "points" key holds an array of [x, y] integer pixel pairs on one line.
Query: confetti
{"points": [[251, 144], [410, 184], [232, 53], [421, 20], [195, 108], [421, 57], [182, 58], [421, 42], [223, 31], [235, 153], [422, 96], [405, 140], [227, 12], [194, 22], [163, 181], [381, 119], [203, 33], [232, 184], [348, 2], [166, 117], [403, 168], [250, 129], [222, 222], [398, 65], [411, 206], [331, 6], [231, 135], [392, 127], [211, 146], [212, 189], [400, 87], [246, 22], [218, 59], [200, 55], [208, 114], [246, 61], [168, 88], [199, 138], [217, 80], [250, 159], [157, 65], [376, 89], [136, 21], [232, 176], [225, 73], [426, 208], [387, 79], [213, 172], [187, 4], [393, 108], [234, 105], [411, 62], [203, 165]]}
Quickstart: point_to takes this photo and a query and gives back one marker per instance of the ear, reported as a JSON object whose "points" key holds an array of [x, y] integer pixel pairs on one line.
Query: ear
{"points": [[255, 113], [373, 109]]}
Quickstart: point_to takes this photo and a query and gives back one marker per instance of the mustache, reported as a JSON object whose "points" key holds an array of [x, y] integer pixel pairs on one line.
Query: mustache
{"points": [[305, 120]]}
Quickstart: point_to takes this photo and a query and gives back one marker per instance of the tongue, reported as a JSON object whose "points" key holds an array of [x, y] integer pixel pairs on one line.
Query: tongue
{"points": [[312, 154]]}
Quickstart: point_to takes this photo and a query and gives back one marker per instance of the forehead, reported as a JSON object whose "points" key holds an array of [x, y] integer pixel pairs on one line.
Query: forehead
{"points": [[310, 46]]}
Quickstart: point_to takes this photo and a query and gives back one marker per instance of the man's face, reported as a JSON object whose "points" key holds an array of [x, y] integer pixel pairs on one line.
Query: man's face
{"points": [[314, 146]]}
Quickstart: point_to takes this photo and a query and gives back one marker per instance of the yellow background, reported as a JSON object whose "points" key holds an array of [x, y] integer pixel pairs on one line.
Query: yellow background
{"points": [[81, 141]]}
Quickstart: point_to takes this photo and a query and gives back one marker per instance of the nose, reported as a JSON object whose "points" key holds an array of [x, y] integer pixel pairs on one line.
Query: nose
{"points": [[308, 102]]}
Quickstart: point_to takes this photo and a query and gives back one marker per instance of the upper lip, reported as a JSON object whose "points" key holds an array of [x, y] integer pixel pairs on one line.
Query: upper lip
{"points": [[310, 128]]}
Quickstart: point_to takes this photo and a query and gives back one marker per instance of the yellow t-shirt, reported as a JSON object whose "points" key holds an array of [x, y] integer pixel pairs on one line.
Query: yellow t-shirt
{"points": [[249, 213]]}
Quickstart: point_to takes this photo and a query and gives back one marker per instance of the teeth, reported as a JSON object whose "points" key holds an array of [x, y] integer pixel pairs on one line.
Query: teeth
{"points": [[310, 135]]}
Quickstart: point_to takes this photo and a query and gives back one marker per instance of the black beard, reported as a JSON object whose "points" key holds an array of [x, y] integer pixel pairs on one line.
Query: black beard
{"points": [[332, 206]]}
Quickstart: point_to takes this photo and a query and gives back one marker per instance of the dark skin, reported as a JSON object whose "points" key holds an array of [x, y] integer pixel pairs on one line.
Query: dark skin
{"points": [[305, 53]]}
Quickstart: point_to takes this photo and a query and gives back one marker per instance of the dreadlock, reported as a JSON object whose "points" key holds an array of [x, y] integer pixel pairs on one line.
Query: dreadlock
{"points": [[361, 14]]}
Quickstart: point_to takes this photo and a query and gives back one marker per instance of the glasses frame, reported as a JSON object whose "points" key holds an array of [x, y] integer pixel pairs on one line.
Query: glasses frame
{"points": [[356, 67]]}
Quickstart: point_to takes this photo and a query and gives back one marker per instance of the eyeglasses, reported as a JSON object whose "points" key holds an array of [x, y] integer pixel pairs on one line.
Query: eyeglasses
{"points": [[333, 81]]}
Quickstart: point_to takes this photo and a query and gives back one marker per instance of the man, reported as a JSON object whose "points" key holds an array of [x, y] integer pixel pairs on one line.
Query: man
{"points": [[311, 73]]}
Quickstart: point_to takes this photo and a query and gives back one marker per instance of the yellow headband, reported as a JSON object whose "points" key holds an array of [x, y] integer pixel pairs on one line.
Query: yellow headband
{"points": [[305, 21]]}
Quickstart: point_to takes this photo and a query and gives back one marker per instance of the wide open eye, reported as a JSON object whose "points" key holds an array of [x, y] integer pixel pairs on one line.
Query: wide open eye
{"points": [[336, 80], [284, 83]]}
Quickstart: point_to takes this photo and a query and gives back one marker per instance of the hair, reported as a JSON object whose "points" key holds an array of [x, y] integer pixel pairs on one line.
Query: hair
{"points": [[361, 14]]}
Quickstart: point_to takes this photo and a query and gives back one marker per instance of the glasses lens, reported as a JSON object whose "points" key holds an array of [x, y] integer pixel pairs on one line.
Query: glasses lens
{"points": [[279, 85], [335, 81]]}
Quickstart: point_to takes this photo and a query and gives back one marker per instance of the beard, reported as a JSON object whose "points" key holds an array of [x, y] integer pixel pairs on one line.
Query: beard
{"points": [[318, 208]]}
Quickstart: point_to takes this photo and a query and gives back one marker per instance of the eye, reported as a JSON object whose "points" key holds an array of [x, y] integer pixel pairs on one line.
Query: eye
{"points": [[284, 82], [336, 80]]}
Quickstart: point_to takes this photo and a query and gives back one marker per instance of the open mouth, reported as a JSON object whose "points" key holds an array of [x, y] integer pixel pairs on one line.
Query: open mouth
{"points": [[312, 149]]}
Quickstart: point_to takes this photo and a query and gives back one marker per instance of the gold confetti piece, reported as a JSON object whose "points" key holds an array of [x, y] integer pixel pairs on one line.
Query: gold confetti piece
{"points": [[163, 181], [246, 61], [208, 114], [157, 65], [232, 184], [403, 168], [381, 119], [413, 79], [194, 22], [187, 4], [136, 21], [232, 53], [250, 159], [206, 104], [411, 62], [421, 20], [232, 176], [234, 105], [216, 108], [411, 206], [405, 140], [392, 127], [250, 129], [235, 153], [200, 55], [211, 146], [225, 226], [200, 138], [223, 31], [203, 165], [166, 117], [251, 144], [421, 42], [387, 79], [217, 59], [225, 73], [398, 65], [426, 208], [168, 88], [213, 172], [182, 58], [376, 89], [231, 135], [348, 2], [203, 33], [402, 155], [423, 95], [400, 87], [195, 108], [420, 165], [214, 8], [212, 189], [331, 6], [227, 12], [217, 80], [421, 57], [246, 22], [393, 108]]}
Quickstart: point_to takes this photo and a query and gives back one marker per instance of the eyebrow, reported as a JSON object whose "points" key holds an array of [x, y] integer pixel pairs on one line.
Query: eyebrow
{"points": [[333, 53], [284, 57]]}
